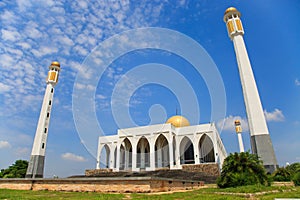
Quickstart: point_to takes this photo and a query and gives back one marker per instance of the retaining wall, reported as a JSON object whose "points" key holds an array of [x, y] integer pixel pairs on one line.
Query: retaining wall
{"points": [[122, 185]]}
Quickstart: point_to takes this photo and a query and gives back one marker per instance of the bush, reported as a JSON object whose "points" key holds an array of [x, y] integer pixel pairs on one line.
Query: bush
{"points": [[242, 169], [282, 174], [296, 179], [293, 168]]}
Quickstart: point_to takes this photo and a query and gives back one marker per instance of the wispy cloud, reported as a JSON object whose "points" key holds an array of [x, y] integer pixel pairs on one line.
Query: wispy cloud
{"points": [[276, 115], [229, 123], [4, 144], [297, 82], [57, 31], [73, 157]]}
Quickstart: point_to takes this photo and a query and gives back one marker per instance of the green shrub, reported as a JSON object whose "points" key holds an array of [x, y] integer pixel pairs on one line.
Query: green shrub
{"points": [[293, 168], [282, 174], [296, 179], [242, 169]]}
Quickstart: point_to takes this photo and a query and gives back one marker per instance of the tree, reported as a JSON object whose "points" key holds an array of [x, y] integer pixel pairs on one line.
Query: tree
{"points": [[294, 170], [281, 174], [242, 169], [17, 170], [296, 178]]}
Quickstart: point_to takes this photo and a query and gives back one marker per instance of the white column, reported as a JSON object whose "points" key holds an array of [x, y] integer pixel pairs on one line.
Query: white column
{"points": [[134, 155], [112, 156], [118, 158], [177, 152], [98, 155], [159, 157], [142, 155], [241, 145], [196, 150], [171, 159], [127, 159], [152, 153]]}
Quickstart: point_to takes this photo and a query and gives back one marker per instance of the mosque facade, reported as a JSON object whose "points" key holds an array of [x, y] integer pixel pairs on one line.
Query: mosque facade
{"points": [[170, 146]]}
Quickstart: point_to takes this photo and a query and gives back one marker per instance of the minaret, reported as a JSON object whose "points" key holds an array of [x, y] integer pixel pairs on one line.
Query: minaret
{"points": [[238, 130], [36, 164], [261, 143]]}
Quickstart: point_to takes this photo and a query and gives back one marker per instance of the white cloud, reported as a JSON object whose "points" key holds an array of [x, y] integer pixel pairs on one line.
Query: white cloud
{"points": [[73, 157], [100, 96], [85, 87], [297, 82], [229, 123], [4, 88], [44, 50], [10, 35], [276, 115], [23, 4], [4, 144], [8, 17]]}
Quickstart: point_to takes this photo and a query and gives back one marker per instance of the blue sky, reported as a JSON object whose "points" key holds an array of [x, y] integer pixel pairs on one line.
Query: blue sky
{"points": [[34, 33]]}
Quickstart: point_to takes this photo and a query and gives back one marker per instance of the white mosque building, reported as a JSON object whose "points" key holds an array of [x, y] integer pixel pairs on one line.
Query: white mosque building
{"points": [[170, 146]]}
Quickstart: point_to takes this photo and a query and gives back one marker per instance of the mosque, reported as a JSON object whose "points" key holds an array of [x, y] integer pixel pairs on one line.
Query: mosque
{"points": [[174, 144], [170, 145]]}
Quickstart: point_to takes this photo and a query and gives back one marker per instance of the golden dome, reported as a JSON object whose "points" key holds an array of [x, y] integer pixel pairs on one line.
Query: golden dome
{"points": [[55, 63], [230, 9], [178, 121], [237, 122]]}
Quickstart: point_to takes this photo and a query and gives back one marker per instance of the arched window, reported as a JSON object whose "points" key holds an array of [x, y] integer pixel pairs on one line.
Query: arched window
{"points": [[143, 153], [206, 149], [104, 157], [162, 158], [126, 155], [186, 151]]}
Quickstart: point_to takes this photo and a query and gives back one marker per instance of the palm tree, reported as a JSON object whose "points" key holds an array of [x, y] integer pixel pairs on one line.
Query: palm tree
{"points": [[242, 169]]}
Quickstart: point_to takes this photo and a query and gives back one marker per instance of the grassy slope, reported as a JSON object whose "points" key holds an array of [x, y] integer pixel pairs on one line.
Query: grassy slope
{"points": [[209, 193]]}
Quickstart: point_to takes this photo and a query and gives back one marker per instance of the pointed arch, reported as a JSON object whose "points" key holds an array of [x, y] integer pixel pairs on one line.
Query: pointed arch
{"points": [[162, 156], [186, 151], [206, 149], [143, 153], [105, 157], [126, 155]]}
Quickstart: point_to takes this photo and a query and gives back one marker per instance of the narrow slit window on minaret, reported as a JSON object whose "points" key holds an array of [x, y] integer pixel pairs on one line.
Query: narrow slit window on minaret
{"points": [[52, 90], [43, 145], [50, 102], [45, 131], [48, 114]]}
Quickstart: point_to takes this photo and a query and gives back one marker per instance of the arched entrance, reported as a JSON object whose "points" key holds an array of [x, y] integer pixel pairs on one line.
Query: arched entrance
{"points": [[186, 151], [206, 149], [104, 157], [162, 158], [126, 155], [143, 154]]}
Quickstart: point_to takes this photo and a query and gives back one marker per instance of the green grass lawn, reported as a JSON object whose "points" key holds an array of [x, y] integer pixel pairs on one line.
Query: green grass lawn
{"points": [[205, 193]]}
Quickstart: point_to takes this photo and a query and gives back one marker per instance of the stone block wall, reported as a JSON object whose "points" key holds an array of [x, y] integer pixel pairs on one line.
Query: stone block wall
{"points": [[208, 168], [95, 172], [120, 185]]}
